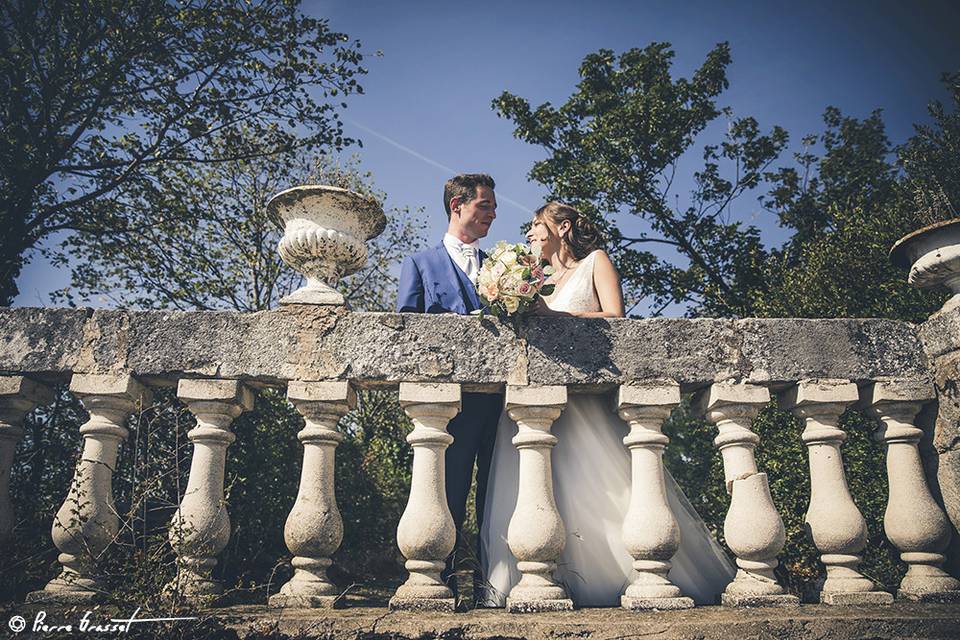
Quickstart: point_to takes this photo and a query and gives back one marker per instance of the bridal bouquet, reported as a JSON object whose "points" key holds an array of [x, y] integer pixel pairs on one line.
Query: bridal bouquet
{"points": [[511, 279]]}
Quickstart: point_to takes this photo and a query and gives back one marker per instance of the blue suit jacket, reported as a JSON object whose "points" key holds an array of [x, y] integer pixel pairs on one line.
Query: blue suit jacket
{"points": [[431, 282]]}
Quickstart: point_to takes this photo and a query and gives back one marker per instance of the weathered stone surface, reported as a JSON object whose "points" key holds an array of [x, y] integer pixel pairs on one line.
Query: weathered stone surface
{"points": [[419, 347], [656, 604], [948, 477], [806, 395], [41, 341], [538, 606], [537, 396], [774, 600], [941, 341], [335, 391], [218, 344], [121, 386], [900, 620], [419, 393], [941, 333], [320, 343], [946, 435], [605, 350], [908, 390], [783, 350], [282, 600], [423, 605], [853, 598], [939, 597], [660, 393]]}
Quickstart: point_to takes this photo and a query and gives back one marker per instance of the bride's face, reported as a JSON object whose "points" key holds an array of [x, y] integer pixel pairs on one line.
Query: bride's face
{"points": [[545, 234]]}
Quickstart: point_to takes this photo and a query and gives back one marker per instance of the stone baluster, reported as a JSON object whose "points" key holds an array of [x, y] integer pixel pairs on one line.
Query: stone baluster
{"points": [[18, 397], [834, 523], [536, 534], [913, 521], [88, 522], [650, 530], [200, 528], [426, 534], [314, 528], [753, 528]]}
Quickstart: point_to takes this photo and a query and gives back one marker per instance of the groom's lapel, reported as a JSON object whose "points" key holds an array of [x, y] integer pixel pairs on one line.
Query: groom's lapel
{"points": [[459, 281]]}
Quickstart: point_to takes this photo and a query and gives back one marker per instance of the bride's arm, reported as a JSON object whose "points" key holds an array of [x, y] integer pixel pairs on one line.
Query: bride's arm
{"points": [[607, 282]]}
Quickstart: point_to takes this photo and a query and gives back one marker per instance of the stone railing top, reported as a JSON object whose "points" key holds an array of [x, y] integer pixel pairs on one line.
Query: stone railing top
{"points": [[302, 342]]}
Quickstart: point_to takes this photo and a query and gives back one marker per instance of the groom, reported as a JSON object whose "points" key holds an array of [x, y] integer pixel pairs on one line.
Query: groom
{"points": [[443, 280]]}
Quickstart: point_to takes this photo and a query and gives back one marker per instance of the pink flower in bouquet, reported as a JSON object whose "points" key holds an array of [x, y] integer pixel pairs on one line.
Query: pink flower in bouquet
{"points": [[511, 279], [490, 291]]}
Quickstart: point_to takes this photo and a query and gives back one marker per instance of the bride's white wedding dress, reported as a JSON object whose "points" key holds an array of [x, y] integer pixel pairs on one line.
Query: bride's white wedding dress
{"points": [[591, 479]]}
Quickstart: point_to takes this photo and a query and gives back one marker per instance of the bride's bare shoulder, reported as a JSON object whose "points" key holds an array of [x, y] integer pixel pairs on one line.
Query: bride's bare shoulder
{"points": [[601, 260]]}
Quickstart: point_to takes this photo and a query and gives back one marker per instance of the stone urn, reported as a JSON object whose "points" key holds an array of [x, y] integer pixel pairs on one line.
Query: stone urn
{"points": [[325, 230], [933, 256]]}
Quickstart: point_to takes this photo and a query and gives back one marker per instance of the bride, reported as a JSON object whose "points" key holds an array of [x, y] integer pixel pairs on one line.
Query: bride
{"points": [[591, 465]]}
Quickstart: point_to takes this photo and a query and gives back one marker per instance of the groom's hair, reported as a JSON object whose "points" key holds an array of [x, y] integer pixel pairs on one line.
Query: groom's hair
{"points": [[464, 186]]}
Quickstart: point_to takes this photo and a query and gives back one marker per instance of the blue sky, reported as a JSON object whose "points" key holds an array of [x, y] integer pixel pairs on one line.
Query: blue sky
{"points": [[426, 107]]}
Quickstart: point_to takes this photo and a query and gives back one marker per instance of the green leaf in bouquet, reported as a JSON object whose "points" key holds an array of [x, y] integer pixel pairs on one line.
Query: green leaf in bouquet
{"points": [[547, 289]]}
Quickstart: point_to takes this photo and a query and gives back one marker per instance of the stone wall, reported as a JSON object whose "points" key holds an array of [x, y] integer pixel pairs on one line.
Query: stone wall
{"points": [[301, 342], [941, 340]]}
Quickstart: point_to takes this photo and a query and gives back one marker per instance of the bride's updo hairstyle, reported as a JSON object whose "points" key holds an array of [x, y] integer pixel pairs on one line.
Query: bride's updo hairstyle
{"points": [[583, 237]]}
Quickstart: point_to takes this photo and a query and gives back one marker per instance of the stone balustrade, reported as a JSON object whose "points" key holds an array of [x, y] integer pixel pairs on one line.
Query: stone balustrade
{"points": [[321, 355]]}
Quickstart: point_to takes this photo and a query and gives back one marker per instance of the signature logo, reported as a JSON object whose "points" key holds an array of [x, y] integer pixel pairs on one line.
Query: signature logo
{"points": [[86, 624]]}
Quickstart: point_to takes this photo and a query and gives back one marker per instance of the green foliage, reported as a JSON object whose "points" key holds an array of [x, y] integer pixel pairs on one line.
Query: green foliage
{"points": [[931, 159], [848, 206], [100, 94], [614, 149]]}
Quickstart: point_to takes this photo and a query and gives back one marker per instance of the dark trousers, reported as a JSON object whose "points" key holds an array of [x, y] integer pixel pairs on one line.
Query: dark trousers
{"points": [[474, 432]]}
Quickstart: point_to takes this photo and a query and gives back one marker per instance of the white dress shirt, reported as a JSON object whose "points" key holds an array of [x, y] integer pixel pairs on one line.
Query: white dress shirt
{"points": [[466, 256]]}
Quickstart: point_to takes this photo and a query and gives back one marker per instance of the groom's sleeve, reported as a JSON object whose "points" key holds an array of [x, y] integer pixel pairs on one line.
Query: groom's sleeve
{"points": [[410, 294]]}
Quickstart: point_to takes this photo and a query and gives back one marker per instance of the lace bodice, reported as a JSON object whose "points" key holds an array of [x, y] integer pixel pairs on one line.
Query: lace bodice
{"points": [[577, 294]]}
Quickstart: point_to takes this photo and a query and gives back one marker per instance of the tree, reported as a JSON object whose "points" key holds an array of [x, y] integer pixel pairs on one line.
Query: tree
{"points": [[931, 158], [847, 207], [615, 146], [101, 94]]}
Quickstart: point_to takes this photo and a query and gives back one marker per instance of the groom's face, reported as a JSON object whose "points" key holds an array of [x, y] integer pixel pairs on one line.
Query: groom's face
{"points": [[474, 217]]}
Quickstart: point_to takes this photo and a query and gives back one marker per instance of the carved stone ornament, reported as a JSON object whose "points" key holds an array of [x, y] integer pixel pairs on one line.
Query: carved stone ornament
{"points": [[325, 229], [933, 255]]}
